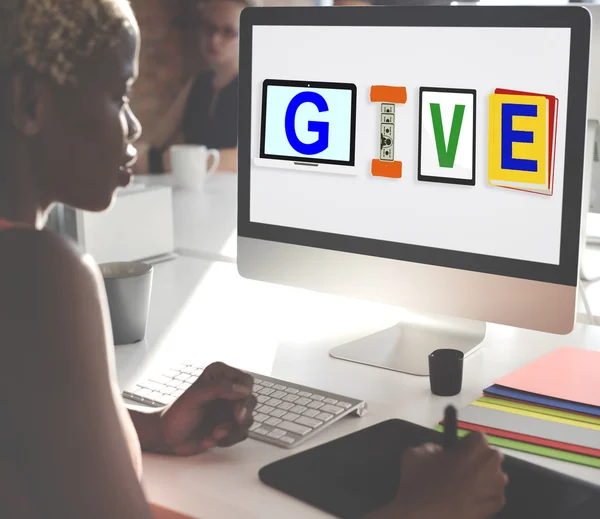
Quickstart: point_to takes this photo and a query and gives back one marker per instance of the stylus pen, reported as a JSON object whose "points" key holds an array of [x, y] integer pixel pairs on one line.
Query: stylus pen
{"points": [[449, 427]]}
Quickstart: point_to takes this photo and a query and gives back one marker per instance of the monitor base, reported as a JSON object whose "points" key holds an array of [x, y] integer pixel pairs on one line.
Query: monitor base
{"points": [[406, 346]]}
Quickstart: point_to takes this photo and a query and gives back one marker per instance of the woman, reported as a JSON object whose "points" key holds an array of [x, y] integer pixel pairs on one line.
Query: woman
{"points": [[206, 110], [68, 446]]}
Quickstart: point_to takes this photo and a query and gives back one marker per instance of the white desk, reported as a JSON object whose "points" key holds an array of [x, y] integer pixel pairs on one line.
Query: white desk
{"points": [[204, 311]]}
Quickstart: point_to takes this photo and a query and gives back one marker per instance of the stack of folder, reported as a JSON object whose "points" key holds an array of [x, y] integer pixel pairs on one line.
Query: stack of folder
{"points": [[550, 407]]}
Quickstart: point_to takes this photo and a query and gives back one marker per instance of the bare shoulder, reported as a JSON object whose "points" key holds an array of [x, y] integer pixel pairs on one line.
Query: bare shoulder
{"points": [[34, 260], [50, 295], [24, 248]]}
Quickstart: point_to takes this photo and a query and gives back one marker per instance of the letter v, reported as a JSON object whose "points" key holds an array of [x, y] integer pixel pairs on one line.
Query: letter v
{"points": [[446, 155]]}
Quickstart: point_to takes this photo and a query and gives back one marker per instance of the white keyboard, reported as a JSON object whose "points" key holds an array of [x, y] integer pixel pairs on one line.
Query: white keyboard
{"points": [[286, 414]]}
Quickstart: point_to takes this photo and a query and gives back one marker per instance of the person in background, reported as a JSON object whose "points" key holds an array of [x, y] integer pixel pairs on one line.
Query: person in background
{"points": [[69, 448], [206, 110]]}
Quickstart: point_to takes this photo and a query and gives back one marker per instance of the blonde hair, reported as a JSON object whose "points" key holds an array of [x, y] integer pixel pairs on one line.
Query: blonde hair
{"points": [[53, 36]]}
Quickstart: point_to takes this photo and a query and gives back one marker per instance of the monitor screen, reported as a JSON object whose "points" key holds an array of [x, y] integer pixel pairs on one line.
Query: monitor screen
{"points": [[460, 145], [312, 122]]}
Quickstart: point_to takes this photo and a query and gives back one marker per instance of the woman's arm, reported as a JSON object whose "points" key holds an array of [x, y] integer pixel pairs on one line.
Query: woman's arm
{"points": [[149, 429], [65, 425]]}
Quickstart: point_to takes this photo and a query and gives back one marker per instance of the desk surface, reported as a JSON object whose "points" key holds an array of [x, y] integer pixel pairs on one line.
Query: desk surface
{"points": [[287, 333]]}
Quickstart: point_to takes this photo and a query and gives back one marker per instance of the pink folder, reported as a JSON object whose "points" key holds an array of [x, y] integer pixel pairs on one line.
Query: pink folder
{"points": [[569, 374]]}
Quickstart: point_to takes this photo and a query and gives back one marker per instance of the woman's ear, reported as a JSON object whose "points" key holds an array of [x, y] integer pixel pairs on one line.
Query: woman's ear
{"points": [[27, 107]]}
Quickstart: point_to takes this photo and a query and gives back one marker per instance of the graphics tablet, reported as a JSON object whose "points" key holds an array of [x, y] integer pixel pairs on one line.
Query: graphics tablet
{"points": [[359, 473]]}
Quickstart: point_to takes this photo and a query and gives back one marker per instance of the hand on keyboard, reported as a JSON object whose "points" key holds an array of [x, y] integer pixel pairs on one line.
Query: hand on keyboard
{"points": [[287, 414], [215, 410]]}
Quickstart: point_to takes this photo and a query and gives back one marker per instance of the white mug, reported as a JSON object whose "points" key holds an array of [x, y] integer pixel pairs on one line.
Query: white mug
{"points": [[189, 165]]}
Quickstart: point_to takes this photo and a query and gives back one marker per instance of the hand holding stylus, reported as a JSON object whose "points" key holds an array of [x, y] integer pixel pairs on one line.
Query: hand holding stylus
{"points": [[462, 480]]}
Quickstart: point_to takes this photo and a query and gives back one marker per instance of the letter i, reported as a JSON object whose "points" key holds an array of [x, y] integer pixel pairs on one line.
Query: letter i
{"points": [[388, 96]]}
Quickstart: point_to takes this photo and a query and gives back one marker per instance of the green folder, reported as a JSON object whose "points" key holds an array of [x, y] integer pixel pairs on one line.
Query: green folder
{"points": [[571, 457]]}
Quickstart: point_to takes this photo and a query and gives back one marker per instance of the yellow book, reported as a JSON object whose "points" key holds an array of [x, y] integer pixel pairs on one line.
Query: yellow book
{"points": [[512, 163]]}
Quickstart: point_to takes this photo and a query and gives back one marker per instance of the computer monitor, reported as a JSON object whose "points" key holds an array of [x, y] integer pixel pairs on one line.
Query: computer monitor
{"points": [[464, 201]]}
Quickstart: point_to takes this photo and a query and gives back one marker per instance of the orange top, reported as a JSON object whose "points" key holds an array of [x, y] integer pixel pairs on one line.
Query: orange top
{"points": [[6, 224]]}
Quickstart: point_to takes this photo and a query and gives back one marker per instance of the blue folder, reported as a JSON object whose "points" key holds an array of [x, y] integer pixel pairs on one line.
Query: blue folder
{"points": [[523, 396]]}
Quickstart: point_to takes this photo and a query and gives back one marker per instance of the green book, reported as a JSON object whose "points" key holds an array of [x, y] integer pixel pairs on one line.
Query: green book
{"points": [[548, 452]]}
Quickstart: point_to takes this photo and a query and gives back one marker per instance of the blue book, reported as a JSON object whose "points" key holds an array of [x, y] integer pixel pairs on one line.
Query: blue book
{"points": [[564, 405]]}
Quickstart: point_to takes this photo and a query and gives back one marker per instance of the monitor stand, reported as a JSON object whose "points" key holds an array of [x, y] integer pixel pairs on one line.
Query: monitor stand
{"points": [[406, 346]]}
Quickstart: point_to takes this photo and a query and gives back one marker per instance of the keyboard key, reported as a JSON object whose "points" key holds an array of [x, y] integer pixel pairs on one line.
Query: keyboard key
{"points": [[286, 406], [320, 398], [291, 417], [197, 372], [254, 426], [323, 416], [261, 430], [166, 390], [265, 409], [331, 409], [182, 376], [260, 418], [191, 379], [298, 409], [345, 405], [330, 401], [177, 393], [274, 402], [315, 405], [153, 386], [278, 387], [184, 385], [262, 399], [313, 413], [292, 390], [142, 392], [267, 384], [273, 421], [295, 428], [278, 394], [303, 401], [276, 434], [256, 388], [290, 398], [174, 383], [278, 413], [266, 391], [287, 439], [155, 395], [304, 394], [188, 369], [310, 422], [171, 373], [159, 379]]}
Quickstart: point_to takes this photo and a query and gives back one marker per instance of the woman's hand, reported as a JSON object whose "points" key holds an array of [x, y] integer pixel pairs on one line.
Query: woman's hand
{"points": [[216, 411], [464, 483]]}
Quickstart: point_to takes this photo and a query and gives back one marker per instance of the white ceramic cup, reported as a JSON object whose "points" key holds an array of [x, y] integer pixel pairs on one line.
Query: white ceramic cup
{"points": [[190, 165]]}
